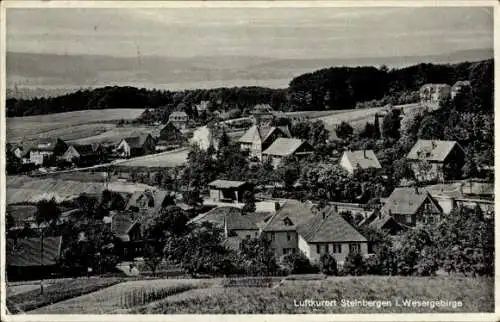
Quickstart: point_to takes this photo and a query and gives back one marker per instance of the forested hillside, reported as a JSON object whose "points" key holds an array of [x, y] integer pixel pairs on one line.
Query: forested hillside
{"points": [[326, 89]]}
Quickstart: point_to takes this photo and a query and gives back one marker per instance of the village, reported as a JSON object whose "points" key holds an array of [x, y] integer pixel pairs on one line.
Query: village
{"points": [[112, 206]]}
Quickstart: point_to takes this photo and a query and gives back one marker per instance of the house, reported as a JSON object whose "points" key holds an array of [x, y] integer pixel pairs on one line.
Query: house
{"points": [[46, 149], [228, 191], [149, 200], [84, 153], [460, 87], [202, 107], [233, 221], [179, 119], [284, 147], [127, 231], [170, 137], [136, 146], [328, 232], [258, 138], [262, 114], [27, 258], [15, 149], [361, 159], [412, 206], [431, 95], [281, 228], [433, 160], [384, 223]]}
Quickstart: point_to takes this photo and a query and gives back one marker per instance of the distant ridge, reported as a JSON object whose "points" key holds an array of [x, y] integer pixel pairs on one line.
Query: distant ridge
{"points": [[51, 74]]}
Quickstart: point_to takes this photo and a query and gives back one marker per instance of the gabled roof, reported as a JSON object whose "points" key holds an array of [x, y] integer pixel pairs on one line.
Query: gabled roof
{"points": [[262, 133], [24, 252], [406, 201], [121, 224], [46, 144], [169, 126], [432, 150], [291, 214], [286, 147], [330, 229], [226, 184], [363, 159], [85, 149], [137, 141], [233, 217]]}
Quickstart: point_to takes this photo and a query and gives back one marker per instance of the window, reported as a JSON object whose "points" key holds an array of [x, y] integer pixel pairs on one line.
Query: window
{"points": [[285, 251], [318, 248], [409, 219], [326, 248], [288, 236], [354, 248], [337, 248], [273, 236], [430, 219], [248, 236]]}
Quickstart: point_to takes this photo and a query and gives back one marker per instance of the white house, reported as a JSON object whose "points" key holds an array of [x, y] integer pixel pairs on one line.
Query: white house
{"points": [[361, 159]]}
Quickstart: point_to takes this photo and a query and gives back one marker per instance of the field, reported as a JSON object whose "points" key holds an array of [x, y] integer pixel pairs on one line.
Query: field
{"points": [[117, 298], [475, 294], [69, 125], [21, 189], [166, 159], [60, 291], [116, 134]]}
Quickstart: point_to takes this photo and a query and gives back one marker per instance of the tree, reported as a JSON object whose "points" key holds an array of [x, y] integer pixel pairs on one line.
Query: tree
{"points": [[376, 128], [257, 257], [153, 256], [431, 128], [13, 164], [9, 221], [48, 212], [296, 263], [192, 198], [249, 200], [391, 124], [354, 264], [344, 131], [171, 220], [328, 264]]}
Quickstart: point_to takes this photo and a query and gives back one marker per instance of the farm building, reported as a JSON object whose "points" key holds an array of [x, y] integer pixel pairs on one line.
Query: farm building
{"points": [[26, 260], [382, 222], [262, 114], [15, 149], [150, 200], [84, 154], [361, 159], [258, 138], [328, 232], [460, 87], [412, 206], [46, 149], [179, 119], [432, 95], [170, 137], [228, 191], [433, 160], [202, 107], [284, 147], [136, 146]]}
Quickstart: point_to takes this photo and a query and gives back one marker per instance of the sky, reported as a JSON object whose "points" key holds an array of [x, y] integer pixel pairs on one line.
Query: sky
{"points": [[276, 32]]}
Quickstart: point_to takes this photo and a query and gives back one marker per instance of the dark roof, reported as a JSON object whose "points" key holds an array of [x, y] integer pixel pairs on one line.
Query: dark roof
{"points": [[262, 133], [170, 126], [363, 159], [286, 147], [406, 201], [121, 224], [432, 150], [26, 252], [291, 214], [233, 217], [85, 149], [329, 229], [137, 141], [226, 184]]}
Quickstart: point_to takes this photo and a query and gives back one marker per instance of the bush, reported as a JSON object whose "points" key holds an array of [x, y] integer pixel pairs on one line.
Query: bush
{"points": [[296, 263], [354, 265], [328, 265]]}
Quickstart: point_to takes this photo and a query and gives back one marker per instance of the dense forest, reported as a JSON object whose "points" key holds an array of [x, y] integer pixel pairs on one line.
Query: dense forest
{"points": [[326, 89]]}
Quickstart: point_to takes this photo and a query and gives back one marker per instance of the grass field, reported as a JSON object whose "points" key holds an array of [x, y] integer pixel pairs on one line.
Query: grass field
{"points": [[477, 295], [116, 134], [112, 299], [82, 123], [167, 159], [32, 299]]}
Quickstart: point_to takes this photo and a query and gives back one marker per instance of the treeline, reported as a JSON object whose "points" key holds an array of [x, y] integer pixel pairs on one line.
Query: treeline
{"points": [[332, 88]]}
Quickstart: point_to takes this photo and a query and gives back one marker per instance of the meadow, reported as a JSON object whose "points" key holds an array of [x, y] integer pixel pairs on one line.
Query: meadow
{"points": [[476, 295], [172, 158], [68, 126]]}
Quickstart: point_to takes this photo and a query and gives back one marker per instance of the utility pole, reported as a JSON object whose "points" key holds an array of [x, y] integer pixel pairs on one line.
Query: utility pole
{"points": [[41, 260]]}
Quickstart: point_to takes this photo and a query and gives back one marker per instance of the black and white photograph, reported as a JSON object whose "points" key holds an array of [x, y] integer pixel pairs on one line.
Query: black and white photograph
{"points": [[249, 158]]}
